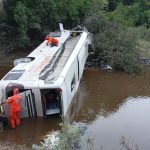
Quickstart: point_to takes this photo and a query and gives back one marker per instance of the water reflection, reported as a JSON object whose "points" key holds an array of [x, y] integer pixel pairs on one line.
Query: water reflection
{"points": [[114, 105], [32, 130], [130, 121], [104, 92]]}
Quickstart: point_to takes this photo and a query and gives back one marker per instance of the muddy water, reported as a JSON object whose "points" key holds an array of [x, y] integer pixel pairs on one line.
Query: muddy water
{"points": [[4, 70], [32, 130], [114, 106]]}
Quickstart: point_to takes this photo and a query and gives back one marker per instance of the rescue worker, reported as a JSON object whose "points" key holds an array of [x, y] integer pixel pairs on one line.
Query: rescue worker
{"points": [[15, 102], [51, 41]]}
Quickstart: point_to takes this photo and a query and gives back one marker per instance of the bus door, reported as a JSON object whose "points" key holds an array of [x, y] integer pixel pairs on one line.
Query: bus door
{"points": [[28, 105]]}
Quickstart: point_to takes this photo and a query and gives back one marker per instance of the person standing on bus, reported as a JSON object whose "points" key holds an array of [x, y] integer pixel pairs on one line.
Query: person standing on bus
{"points": [[51, 41], [15, 102]]}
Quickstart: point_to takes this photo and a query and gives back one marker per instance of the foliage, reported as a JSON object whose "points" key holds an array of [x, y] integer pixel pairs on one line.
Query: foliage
{"points": [[131, 12], [129, 2], [97, 6], [114, 44], [22, 21], [31, 20], [46, 14], [142, 33], [112, 5], [36, 17], [69, 137], [126, 15]]}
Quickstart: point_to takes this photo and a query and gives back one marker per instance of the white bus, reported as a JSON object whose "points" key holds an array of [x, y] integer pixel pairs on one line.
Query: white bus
{"points": [[49, 76]]}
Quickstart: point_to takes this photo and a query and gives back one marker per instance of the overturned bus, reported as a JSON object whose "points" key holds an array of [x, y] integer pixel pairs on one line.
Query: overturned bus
{"points": [[49, 76]]}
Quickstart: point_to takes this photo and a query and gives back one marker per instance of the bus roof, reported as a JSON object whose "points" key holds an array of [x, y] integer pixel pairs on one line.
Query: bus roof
{"points": [[46, 62]]}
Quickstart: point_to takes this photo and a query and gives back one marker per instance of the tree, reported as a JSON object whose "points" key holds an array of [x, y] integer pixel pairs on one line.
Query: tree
{"points": [[128, 2], [112, 5], [21, 19], [132, 15], [36, 16]]}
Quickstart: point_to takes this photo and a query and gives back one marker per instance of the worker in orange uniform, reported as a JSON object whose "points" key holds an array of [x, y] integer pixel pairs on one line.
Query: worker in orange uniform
{"points": [[51, 41], [15, 102]]}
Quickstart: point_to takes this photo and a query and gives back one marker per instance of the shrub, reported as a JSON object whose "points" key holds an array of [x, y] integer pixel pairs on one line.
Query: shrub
{"points": [[115, 44], [66, 139], [142, 33]]}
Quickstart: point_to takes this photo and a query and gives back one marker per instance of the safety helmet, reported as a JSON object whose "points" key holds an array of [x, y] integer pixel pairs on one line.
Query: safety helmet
{"points": [[16, 91]]}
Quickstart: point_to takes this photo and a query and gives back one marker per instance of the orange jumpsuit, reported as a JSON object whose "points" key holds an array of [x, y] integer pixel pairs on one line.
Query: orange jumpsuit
{"points": [[52, 41], [15, 102]]}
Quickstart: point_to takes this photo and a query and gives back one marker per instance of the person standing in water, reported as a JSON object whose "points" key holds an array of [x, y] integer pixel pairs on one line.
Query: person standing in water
{"points": [[15, 102]]}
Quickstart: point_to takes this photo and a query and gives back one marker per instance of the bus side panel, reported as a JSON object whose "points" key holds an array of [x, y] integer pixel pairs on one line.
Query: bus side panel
{"points": [[24, 108], [64, 99], [38, 102], [72, 81], [82, 56], [31, 103]]}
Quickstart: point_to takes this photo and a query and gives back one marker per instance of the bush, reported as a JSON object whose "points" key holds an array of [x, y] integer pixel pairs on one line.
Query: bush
{"points": [[142, 33], [126, 15], [66, 139], [115, 45], [34, 19]]}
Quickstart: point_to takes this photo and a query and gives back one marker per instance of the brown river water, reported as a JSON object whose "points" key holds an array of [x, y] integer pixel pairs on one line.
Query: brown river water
{"points": [[114, 106]]}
